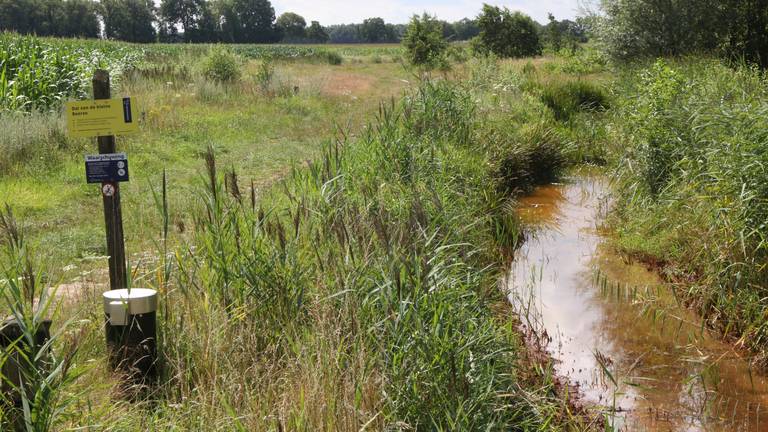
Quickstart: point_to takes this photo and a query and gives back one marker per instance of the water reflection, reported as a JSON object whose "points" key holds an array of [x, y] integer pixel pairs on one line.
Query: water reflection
{"points": [[617, 331]]}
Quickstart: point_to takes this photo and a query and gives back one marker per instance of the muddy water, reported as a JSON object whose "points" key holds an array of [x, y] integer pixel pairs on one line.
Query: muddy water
{"points": [[616, 330]]}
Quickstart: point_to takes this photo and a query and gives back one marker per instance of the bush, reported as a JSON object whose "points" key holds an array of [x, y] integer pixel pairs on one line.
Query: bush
{"points": [[265, 75], [657, 28], [567, 99], [458, 53], [424, 42], [332, 58], [221, 65], [506, 34], [581, 61]]}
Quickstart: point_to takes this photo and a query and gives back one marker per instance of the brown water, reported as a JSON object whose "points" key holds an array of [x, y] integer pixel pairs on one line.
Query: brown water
{"points": [[606, 320]]}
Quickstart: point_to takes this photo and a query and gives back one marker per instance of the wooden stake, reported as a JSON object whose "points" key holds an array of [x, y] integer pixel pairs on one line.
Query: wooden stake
{"points": [[113, 216]]}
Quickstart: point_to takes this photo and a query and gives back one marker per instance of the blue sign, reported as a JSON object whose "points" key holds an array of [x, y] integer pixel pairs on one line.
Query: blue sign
{"points": [[110, 167]]}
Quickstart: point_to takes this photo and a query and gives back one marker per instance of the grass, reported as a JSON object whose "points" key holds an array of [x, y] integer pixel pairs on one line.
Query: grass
{"points": [[405, 311], [261, 128], [307, 283], [356, 293], [573, 96], [692, 190]]}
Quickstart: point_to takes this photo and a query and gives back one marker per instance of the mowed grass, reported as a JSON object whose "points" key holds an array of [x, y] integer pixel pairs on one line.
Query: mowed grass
{"points": [[259, 135]]}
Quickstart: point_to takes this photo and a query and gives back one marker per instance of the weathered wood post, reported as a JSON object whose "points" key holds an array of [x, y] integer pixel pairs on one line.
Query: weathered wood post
{"points": [[129, 312], [113, 216]]}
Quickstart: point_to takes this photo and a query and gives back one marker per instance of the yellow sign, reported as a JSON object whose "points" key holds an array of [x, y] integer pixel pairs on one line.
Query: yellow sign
{"points": [[100, 117]]}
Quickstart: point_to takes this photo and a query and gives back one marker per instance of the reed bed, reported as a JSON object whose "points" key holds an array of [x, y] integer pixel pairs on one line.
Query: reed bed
{"points": [[693, 194]]}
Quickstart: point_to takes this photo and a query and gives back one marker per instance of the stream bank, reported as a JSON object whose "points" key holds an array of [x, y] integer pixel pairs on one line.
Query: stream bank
{"points": [[616, 332]]}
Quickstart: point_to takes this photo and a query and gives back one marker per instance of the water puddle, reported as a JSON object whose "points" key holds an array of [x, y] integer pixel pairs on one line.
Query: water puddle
{"points": [[617, 332]]}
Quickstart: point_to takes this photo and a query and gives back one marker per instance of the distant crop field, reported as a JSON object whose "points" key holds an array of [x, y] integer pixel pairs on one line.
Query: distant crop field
{"points": [[39, 73]]}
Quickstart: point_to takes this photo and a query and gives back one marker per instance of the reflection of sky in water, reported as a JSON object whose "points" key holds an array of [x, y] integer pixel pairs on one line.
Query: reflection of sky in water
{"points": [[555, 272]]}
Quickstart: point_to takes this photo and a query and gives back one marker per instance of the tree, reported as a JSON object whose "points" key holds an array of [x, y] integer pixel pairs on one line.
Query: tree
{"points": [[424, 41], [255, 21], [81, 19], [70, 18], [554, 33], [129, 20], [343, 33], [185, 13], [466, 29], [448, 30], [207, 22], [395, 32], [293, 26], [507, 34], [744, 24], [14, 16], [316, 33], [653, 28], [229, 25], [374, 30]]}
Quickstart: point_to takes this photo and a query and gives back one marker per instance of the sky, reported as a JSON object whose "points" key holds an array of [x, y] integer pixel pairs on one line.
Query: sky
{"points": [[399, 11]]}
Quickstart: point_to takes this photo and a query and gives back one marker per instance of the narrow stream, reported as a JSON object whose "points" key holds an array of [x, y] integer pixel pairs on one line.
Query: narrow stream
{"points": [[617, 333]]}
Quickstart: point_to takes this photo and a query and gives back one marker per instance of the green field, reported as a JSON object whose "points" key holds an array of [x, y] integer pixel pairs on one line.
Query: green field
{"points": [[333, 154], [259, 128], [327, 230]]}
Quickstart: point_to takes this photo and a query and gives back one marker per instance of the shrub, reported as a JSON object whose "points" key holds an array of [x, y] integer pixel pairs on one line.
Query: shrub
{"points": [[458, 53], [221, 65], [424, 42], [567, 99], [655, 28], [506, 34], [582, 61], [265, 75], [332, 58]]}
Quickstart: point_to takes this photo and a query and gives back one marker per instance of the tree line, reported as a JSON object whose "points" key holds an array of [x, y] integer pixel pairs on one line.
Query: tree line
{"points": [[196, 21]]}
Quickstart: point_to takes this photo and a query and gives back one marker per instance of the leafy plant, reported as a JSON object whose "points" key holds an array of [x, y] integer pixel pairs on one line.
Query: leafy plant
{"points": [[506, 34], [424, 42], [221, 65]]}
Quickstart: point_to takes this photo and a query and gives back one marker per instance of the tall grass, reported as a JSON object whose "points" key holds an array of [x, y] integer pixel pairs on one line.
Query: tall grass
{"points": [[356, 294], [33, 394], [573, 96], [694, 182], [28, 137]]}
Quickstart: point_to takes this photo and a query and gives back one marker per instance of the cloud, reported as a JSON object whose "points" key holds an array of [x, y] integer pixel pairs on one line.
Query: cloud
{"points": [[399, 11]]}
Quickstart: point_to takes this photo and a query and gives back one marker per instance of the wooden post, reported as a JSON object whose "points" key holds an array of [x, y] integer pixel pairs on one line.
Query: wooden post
{"points": [[113, 217]]}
